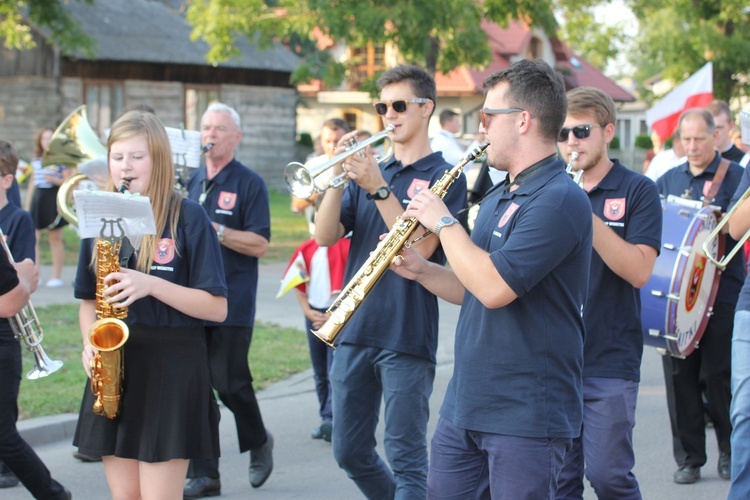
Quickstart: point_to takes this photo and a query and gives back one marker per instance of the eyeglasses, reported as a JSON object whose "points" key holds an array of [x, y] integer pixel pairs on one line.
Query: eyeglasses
{"points": [[399, 106], [484, 113], [579, 132]]}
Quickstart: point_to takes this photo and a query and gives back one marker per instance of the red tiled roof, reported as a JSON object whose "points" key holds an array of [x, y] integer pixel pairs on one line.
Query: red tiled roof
{"points": [[513, 41]]}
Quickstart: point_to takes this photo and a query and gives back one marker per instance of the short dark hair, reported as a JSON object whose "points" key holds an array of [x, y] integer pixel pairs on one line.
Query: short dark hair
{"points": [[422, 83], [718, 107], [336, 124], [537, 88], [8, 159], [447, 115]]}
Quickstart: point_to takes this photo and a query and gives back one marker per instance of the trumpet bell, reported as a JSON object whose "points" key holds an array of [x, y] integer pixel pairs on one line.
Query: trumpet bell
{"points": [[299, 180], [43, 365]]}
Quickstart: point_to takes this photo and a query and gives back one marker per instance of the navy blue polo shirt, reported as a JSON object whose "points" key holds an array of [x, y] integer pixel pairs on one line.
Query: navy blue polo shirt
{"points": [[14, 194], [518, 368], [679, 181], [192, 261], [629, 204], [18, 228], [237, 198], [743, 304], [399, 314]]}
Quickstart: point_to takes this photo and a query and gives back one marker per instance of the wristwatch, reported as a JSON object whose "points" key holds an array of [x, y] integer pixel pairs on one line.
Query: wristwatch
{"points": [[220, 232], [381, 193], [443, 222]]}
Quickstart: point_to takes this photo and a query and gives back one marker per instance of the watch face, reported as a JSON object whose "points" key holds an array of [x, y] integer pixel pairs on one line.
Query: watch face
{"points": [[383, 193]]}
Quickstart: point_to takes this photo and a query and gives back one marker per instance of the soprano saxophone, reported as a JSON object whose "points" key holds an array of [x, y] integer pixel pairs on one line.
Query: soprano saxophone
{"points": [[380, 260], [108, 333], [27, 329]]}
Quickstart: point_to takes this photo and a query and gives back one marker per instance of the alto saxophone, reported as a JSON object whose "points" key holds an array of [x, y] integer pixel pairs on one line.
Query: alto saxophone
{"points": [[380, 260], [27, 329], [108, 333]]}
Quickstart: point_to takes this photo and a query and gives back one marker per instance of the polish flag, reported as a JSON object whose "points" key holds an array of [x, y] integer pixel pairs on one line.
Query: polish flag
{"points": [[695, 92]]}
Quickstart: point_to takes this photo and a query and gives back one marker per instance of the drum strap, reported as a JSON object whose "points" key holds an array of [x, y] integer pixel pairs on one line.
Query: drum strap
{"points": [[721, 171]]}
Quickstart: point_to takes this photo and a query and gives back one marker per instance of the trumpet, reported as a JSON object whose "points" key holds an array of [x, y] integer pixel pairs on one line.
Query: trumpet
{"points": [[26, 327], [301, 179], [707, 243], [576, 175]]}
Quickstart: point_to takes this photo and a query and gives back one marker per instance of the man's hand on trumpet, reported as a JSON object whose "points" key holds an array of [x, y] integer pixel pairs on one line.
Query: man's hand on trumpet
{"points": [[361, 167]]}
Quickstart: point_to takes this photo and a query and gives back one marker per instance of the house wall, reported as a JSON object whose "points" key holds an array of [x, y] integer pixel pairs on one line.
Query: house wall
{"points": [[268, 115]]}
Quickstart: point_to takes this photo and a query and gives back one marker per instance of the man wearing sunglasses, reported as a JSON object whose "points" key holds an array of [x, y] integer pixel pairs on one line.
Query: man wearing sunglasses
{"points": [[387, 349], [700, 178], [514, 402], [627, 236]]}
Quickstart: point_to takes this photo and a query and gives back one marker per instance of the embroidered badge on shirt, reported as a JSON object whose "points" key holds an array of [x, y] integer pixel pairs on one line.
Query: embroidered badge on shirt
{"points": [[508, 214], [614, 208], [416, 186], [164, 251], [227, 200]]}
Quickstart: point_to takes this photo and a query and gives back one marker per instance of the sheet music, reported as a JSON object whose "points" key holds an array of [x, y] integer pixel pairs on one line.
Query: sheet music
{"points": [[186, 147], [745, 127], [134, 210]]}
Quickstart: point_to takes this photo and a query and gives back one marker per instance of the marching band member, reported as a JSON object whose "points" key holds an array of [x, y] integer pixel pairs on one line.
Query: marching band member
{"points": [[705, 176], [514, 401], [387, 350], [170, 285], [627, 219], [17, 282], [236, 200]]}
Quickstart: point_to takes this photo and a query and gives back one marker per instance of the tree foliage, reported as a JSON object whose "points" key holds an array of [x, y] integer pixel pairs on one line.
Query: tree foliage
{"points": [[437, 35], [49, 14], [677, 37]]}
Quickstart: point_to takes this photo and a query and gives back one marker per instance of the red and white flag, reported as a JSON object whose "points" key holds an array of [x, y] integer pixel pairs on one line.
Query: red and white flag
{"points": [[695, 92]]}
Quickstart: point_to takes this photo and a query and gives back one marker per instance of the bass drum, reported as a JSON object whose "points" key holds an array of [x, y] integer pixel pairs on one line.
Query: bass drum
{"points": [[677, 301]]}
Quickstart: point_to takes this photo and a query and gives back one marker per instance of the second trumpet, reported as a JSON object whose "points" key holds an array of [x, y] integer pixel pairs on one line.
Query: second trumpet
{"points": [[301, 178]]}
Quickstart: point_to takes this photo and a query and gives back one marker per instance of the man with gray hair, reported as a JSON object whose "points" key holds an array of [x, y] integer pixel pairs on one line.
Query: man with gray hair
{"points": [[236, 200], [706, 177]]}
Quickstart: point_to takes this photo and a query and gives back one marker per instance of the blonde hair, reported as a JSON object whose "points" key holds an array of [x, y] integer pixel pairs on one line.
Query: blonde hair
{"points": [[165, 200]]}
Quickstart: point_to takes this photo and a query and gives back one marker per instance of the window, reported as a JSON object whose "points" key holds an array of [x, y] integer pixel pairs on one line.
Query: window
{"points": [[197, 99], [534, 51], [351, 119], [367, 61], [104, 103]]}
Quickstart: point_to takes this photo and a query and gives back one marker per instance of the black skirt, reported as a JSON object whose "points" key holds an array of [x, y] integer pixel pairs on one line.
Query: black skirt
{"points": [[168, 407], [44, 209]]}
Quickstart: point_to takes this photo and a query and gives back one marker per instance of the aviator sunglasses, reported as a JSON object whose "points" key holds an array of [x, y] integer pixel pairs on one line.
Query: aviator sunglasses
{"points": [[579, 132], [399, 106]]}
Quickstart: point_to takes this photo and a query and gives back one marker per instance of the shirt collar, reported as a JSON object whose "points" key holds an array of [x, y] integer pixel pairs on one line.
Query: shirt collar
{"points": [[422, 165]]}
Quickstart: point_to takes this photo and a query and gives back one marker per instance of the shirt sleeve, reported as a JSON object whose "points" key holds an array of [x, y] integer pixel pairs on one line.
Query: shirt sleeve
{"points": [[8, 275]]}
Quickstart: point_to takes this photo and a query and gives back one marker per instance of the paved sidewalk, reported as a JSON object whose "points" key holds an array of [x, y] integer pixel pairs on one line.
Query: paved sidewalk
{"points": [[304, 468]]}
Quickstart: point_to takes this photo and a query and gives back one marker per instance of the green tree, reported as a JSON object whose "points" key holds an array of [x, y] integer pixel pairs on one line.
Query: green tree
{"points": [[52, 15], [437, 35], [677, 37]]}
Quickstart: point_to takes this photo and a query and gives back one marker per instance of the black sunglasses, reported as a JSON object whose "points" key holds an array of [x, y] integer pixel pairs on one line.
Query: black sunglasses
{"points": [[579, 132], [399, 106]]}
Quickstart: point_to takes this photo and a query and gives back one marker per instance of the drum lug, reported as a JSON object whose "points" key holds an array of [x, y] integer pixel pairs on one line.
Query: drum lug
{"points": [[669, 296], [709, 313], [669, 246]]}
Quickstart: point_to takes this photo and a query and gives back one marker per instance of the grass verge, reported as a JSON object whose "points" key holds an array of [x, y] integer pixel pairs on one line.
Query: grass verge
{"points": [[276, 353]]}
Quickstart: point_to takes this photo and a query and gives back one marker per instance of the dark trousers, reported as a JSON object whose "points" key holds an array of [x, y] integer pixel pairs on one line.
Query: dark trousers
{"points": [[14, 451], [321, 357], [710, 364], [228, 348]]}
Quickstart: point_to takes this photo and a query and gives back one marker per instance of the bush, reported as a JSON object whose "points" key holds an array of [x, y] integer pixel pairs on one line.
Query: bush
{"points": [[615, 144], [643, 141], [306, 140]]}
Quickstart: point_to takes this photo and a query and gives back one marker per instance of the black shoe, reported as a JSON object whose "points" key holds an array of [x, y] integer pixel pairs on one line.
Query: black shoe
{"points": [[261, 462], [725, 466], [8, 479], [323, 432], [86, 458], [199, 487], [687, 474]]}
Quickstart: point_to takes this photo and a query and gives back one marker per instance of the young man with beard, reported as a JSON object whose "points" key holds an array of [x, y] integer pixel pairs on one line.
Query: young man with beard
{"points": [[627, 222], [513, 405]]}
